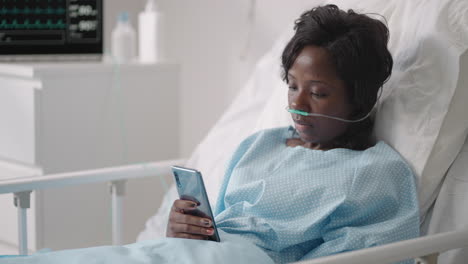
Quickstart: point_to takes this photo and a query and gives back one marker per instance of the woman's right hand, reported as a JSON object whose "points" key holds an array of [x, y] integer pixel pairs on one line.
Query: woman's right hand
{"points": [[182, 224]]}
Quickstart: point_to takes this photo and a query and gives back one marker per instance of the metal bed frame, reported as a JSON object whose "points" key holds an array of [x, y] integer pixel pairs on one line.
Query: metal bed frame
{"points": [[427, 247]]}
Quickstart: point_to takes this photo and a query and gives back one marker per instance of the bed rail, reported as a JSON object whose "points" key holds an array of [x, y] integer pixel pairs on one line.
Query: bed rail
{"points": [[398, 251], [117, 176]]}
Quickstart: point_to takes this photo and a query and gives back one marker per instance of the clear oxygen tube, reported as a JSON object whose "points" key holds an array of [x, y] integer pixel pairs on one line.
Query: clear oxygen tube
{"points": [[303, 113]]}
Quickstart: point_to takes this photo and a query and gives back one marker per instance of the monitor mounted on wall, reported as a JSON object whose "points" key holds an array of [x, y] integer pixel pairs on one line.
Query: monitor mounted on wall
{"points": [[51, 27]]}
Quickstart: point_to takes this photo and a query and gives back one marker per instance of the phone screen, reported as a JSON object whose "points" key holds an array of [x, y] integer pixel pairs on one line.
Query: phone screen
{"points": [[191, 187]]}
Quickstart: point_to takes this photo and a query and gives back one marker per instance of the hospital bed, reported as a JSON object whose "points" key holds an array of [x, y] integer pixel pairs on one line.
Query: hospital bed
{"points": [[422, 114]]}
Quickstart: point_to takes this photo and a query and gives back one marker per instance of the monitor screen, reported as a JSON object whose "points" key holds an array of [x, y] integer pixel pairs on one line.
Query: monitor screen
{"points": [[51, 27]]}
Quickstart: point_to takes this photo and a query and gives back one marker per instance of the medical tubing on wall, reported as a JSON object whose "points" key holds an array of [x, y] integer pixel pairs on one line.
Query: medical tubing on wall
{"points": [[118, 91], [251, 16]]}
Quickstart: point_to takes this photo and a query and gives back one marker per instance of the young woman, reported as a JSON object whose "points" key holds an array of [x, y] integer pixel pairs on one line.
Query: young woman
{"points": [[320, 187]]}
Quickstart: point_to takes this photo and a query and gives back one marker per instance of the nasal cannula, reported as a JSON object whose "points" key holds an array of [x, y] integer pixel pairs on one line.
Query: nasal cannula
{"points": [[303, 113]]}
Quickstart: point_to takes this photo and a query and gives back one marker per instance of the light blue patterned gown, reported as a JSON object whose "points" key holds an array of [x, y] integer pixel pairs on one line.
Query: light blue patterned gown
{"points": [[293, 203], [297, 203]]}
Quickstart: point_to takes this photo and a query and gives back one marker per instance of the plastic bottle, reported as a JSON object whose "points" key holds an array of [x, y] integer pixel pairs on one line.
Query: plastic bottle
{"points": [[123, 46], [149, 33]]}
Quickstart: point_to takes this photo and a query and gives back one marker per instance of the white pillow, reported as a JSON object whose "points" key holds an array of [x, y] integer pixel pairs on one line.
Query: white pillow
{"points": [[419, 115], [449, 212]]}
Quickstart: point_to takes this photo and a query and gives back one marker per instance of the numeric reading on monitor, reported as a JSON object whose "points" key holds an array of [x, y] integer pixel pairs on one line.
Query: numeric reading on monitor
{"points": [[60, 23], [83, 20]]}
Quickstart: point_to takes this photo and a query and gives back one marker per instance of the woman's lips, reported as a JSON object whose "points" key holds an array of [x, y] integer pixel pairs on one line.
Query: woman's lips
{"points": [[301, 127]]}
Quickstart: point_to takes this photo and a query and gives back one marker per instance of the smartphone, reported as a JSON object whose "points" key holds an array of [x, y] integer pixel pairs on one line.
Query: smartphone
{"points": [[190, 186]]}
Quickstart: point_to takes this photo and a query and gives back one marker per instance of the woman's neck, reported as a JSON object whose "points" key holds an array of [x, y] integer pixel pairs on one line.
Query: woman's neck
{"points": [[294, 142]]}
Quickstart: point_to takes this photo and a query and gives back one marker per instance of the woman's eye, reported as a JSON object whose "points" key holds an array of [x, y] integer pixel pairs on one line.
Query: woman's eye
{"points": [[319, 95], [293, 88]]}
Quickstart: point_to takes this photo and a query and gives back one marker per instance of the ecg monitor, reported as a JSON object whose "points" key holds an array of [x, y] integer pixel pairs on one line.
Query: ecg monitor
{"points": [[29, 27]]}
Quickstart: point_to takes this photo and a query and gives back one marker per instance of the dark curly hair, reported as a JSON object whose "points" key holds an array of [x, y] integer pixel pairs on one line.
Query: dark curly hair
{"points": [[358, 47]]}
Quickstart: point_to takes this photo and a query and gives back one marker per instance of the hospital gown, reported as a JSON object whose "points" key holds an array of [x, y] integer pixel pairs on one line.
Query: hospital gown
{"points": [[297, 203], [282, 204]]}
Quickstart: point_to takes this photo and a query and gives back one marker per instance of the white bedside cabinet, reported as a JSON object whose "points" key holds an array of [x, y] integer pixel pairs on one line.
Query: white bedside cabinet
{"points": [[62, 117]]}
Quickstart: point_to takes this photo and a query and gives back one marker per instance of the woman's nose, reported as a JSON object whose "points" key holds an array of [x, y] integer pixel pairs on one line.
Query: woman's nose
{"points": [[300, 101]]}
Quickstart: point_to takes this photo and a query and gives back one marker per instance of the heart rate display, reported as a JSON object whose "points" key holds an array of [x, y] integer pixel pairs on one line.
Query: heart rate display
{"points": [[83, 21]]}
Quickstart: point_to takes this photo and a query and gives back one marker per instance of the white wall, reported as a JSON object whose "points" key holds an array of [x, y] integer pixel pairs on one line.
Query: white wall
{"points": [[208, 38]]}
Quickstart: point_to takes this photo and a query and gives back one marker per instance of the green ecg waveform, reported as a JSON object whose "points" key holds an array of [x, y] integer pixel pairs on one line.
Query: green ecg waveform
{"points": [[32, 11], [37, 24]]}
